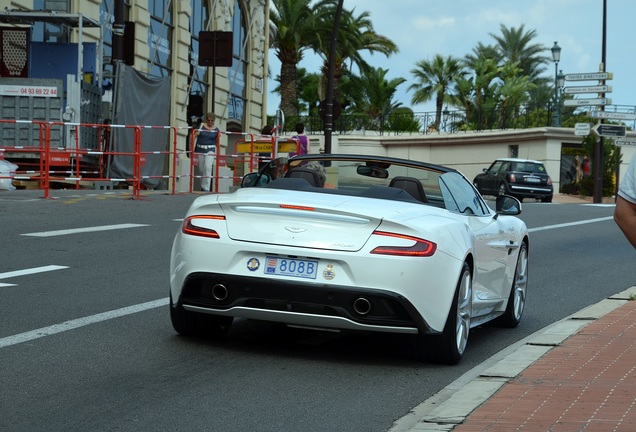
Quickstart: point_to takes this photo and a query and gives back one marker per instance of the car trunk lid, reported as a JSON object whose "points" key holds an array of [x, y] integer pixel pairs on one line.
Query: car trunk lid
{"points": [[291, 218]]}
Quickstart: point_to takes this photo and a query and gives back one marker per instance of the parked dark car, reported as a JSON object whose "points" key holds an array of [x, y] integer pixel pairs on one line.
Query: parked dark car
{"points": [[521, 178]]}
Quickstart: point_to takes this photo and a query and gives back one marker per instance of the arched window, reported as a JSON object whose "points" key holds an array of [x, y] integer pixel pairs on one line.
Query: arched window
{"points": [[238, 71], [160, 38]]}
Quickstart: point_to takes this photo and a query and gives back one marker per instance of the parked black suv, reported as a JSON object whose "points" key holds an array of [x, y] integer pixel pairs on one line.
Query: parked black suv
{"points": [[521, 178]]}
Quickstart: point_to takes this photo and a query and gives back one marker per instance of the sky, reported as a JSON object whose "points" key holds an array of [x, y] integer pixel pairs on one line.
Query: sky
{"points": [[424, 28]]}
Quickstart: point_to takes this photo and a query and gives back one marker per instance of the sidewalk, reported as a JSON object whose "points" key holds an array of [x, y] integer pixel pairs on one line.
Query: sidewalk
{"points": [[576, 375], [580, 199]]}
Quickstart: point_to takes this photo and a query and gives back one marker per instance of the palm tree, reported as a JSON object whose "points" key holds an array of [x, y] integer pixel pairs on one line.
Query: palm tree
{"points": [[293, 23], [513, 92], [435, 79], [480, 52], [355, 36], [514, 45], [306, 89], [372, 94]]}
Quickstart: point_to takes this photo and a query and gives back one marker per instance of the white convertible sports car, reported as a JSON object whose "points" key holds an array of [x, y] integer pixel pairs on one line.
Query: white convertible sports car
{"points": [[352, 242]]}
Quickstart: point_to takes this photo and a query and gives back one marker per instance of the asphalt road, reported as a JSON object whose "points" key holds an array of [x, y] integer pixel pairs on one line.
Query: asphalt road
{"points": [[87, 344]]}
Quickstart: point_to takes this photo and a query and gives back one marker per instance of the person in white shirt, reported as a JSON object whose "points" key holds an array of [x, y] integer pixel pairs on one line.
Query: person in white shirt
{"points": [[625, 212], [206, 142]]}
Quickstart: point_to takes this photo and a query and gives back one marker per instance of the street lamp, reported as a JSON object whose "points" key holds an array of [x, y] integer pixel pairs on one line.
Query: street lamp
{"points": [[556, 57], [560, 85], [445, 115]]}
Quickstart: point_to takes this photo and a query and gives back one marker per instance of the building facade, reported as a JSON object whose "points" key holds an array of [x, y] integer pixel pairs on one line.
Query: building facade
{"points": [[162, 38]]}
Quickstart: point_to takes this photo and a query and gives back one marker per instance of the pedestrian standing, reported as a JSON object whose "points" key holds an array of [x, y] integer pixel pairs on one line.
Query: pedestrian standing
{"points": [[301, 139], [625, 211], [585, 166], [206, 141]]}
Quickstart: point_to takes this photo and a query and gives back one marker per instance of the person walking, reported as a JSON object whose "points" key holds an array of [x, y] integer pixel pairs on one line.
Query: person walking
{"points": [[301, 139], [206, 140], [625, 211]]}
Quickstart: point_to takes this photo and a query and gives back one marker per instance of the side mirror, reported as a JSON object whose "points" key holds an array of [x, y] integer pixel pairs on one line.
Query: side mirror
{"points": [[507, 205], [255, 179]]}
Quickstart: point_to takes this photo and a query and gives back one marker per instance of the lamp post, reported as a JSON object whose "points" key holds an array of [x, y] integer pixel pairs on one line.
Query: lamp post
{"points": [[556, 57], [445, 115], [560, 85]]}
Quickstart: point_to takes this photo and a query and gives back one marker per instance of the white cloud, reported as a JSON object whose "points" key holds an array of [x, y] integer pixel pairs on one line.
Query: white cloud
{"points": [[427, 23]]}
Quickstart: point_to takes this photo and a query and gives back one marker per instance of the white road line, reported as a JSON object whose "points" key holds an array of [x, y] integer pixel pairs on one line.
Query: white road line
{"points": [[83, 230], [565, 225], [80, 322], [16, 273]]}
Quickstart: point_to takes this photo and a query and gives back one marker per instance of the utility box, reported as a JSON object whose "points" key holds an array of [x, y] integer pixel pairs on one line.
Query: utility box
{"points": [[29, 99]]}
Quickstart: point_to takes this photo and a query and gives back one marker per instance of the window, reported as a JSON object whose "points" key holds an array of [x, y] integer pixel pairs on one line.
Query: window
{"points": [[461, 197], [513, 151], [198, 23], [160, 38], [238, 71], [495, 167], [47, 32]]}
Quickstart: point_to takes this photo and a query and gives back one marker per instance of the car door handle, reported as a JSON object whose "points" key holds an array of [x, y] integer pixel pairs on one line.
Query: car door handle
{"points": [[512, 245]]}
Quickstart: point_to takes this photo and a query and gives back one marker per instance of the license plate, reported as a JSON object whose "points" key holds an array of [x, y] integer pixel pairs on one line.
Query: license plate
{"points": [[291, 267], [533, 180]]}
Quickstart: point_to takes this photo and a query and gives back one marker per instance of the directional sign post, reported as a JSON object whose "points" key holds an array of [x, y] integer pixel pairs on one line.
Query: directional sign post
{"points": [[587, 102], [611, 115], [589, 76], [587, 89], [625, 142], [608, 130], [582, 129]]}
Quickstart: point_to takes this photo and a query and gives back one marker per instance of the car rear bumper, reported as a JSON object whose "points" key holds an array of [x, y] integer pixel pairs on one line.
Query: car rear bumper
{"points": [[301, 303], [530, 191]]}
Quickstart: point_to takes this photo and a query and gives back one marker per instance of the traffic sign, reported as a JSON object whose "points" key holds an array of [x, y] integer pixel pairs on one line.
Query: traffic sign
{"points": [[589, 76], [625, 142], [607, 130], [587, 102], [581, 129], [587, 89], [611, 115]]}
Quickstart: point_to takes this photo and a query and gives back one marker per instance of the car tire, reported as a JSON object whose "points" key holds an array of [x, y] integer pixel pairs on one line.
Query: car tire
{"points": [[448, 348], [547, 199], [188, 323], [502, 189], [518, 291]]}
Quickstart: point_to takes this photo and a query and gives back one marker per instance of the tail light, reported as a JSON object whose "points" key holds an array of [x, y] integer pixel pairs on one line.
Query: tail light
{"points": [[191, 227], [512, 178], [420, 248]]}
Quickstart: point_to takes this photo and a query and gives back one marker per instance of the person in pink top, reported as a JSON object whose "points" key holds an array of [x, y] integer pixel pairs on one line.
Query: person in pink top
{"points": [[302, 139]]}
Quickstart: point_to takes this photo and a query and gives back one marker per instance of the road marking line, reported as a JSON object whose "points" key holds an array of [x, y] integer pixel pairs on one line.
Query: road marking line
{"points": [[80, 322], [83, 230], [570, 224], [30, 271]]}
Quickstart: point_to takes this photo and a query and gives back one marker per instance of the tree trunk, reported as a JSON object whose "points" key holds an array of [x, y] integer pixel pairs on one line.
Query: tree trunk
{"points": [[288, 93]]}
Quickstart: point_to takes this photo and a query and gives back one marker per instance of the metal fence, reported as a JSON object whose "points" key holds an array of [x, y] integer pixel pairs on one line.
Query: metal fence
{"points": [[451, 121]]}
